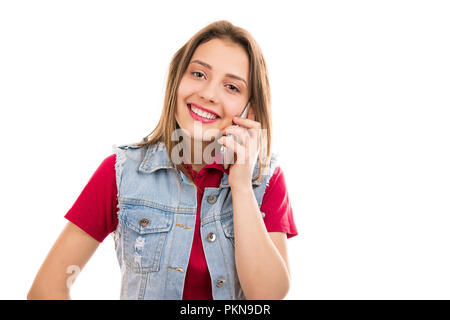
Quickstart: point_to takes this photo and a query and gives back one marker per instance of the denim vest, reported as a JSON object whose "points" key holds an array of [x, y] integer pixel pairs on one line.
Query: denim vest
{"points": [[156, 221]]}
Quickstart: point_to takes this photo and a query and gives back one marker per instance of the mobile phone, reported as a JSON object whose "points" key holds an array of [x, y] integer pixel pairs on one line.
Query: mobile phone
{"points": [[227, 154]]}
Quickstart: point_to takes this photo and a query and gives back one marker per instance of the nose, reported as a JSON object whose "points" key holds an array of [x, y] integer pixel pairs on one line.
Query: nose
{"points": [[208, 92]]}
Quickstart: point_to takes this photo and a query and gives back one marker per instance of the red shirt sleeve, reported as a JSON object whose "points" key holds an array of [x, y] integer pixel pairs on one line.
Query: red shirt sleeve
{"points": [[95, 210], [276, 206]]}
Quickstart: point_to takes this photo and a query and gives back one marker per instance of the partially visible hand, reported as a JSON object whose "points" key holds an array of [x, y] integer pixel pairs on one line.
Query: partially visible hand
{"points": [[248, 133]]}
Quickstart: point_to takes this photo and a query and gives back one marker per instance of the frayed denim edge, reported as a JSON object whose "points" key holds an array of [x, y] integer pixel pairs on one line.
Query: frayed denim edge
{"points": [[274, 162], [120, 160]]}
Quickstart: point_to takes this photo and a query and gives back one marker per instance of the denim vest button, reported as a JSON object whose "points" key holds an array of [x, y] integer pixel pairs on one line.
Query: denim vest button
{"points": [[220, 283], [211, 237], [144, 222], [212, 199]]}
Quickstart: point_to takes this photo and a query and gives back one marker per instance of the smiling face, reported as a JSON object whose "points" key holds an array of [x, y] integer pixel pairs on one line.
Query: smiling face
{"points": [[214, 88]]}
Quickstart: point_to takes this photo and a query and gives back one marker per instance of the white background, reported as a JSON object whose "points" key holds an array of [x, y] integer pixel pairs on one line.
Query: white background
{"points": [[361, 118]]}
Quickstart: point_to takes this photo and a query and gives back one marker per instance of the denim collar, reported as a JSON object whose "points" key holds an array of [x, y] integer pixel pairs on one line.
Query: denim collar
{"points": [[156, 158]]}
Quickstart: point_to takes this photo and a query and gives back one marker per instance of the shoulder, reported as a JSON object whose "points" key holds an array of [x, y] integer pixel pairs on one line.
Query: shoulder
{"points": [[129, 151], [132, 156], [106, 167], [271, 167], [131, 148], [275, 180], [277, 206], [108, 161], [123, 148]]}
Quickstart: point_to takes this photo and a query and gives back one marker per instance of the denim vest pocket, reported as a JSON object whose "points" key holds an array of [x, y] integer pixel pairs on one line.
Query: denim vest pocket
{"points": [[144, 234]]}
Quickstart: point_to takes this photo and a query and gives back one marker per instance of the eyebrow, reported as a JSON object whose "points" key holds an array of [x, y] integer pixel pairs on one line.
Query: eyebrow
{"points": [[230, 75]]}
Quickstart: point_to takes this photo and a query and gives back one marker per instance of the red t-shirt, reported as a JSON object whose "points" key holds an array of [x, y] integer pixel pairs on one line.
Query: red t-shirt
{"points": [[95, 212]]}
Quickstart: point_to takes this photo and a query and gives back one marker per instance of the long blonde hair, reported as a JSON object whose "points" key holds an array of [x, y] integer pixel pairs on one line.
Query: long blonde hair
{"points": [[259, 90]]}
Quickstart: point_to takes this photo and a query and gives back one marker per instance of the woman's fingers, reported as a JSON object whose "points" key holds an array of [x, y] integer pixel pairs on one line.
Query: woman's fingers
{"points": [[240, 133], [242, 144], [253, 127], [248, 123], [231, 143]]}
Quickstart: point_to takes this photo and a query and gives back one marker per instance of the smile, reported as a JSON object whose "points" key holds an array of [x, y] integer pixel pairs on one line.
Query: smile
{"points": [[202, 115]]}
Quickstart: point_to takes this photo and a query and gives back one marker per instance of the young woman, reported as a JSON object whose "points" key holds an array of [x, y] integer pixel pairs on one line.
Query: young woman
{"points": [[186, 223]]}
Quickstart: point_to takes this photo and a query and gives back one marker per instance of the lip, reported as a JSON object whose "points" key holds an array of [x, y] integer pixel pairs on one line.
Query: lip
{"points": [[198, 118]]}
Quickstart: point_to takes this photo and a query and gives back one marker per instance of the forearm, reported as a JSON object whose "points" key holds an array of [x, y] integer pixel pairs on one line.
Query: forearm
{"points": [[262, 271], [49, 285], [48, 294]]}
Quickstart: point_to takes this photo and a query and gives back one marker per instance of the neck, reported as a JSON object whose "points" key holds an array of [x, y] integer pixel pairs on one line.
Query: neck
{"points": [[200, 153]]}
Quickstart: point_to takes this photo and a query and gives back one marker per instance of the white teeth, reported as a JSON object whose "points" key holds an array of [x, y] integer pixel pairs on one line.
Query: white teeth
{"points": [[202, 113], [207, 115]]}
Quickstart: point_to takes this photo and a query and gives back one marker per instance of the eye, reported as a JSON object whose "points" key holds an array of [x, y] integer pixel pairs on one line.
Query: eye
{"points": [[234, 88], [195, 73]]}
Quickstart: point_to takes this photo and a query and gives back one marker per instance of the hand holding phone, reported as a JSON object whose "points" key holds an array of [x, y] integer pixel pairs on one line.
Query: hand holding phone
{"points": [[227, 154]]}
